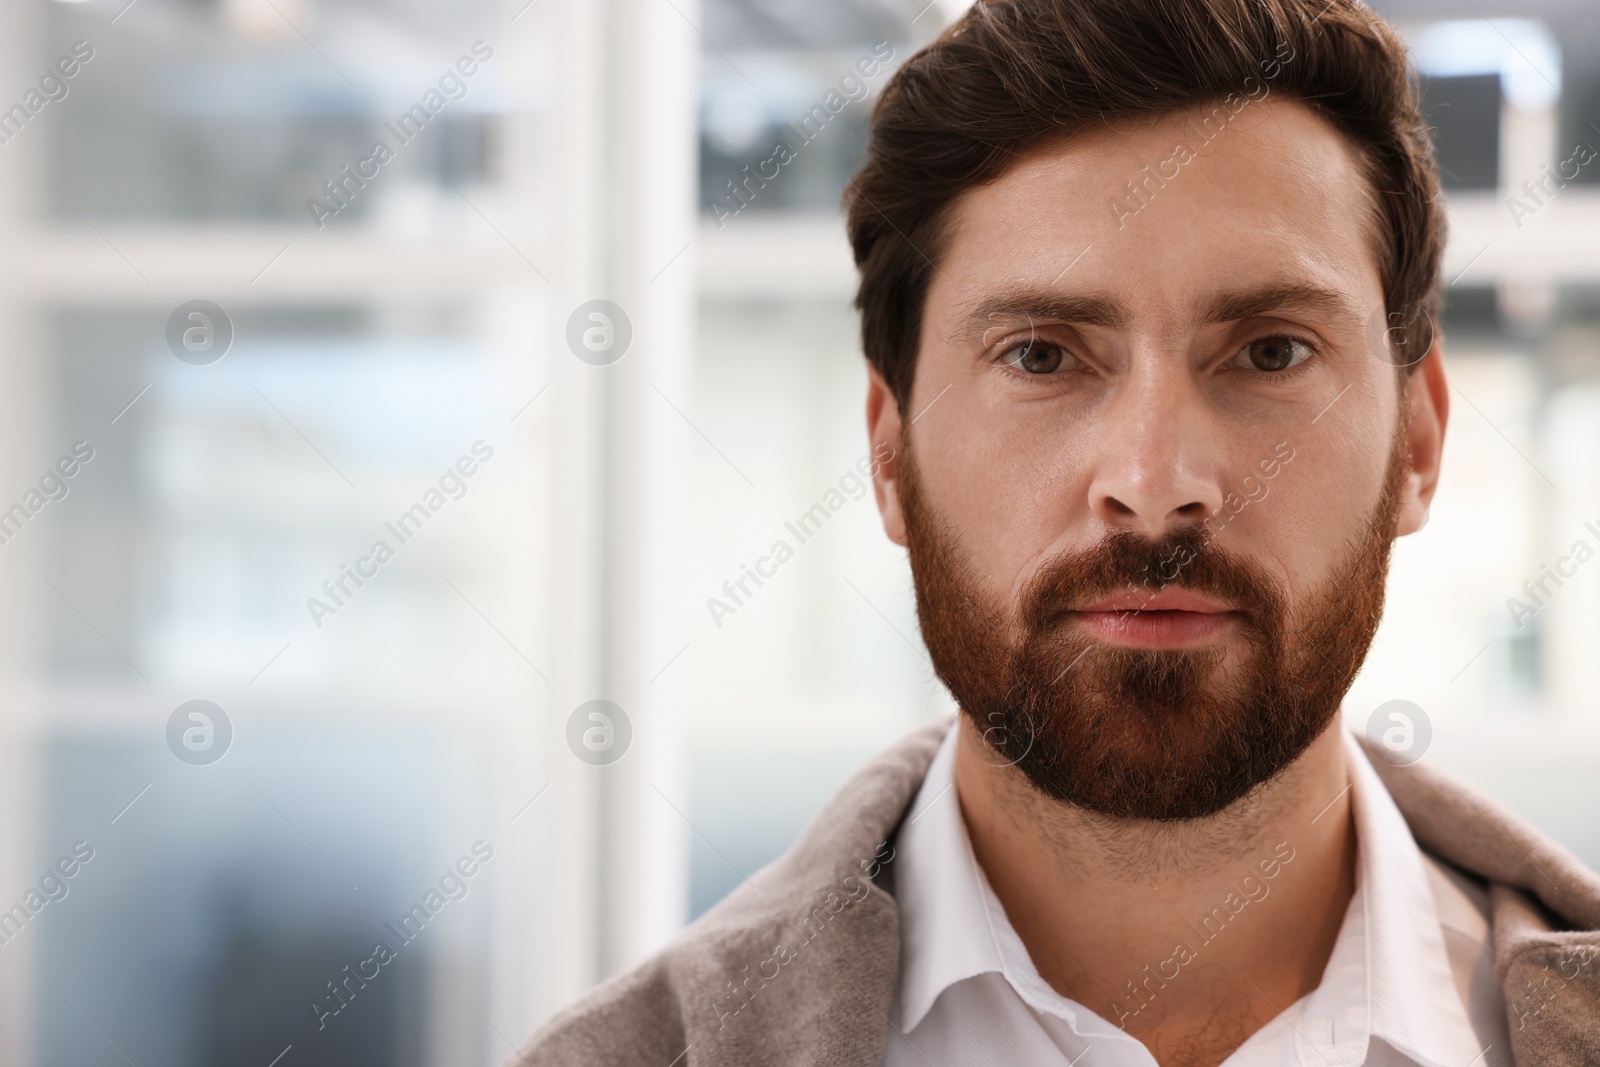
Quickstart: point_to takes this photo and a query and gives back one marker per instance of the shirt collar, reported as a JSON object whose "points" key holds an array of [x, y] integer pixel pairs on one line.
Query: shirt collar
{"points": [[1389, 975], [1383, 979], [938, 898], [952, 925]]}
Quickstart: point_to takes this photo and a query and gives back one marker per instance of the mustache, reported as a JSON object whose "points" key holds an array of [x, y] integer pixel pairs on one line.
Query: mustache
{"points": [[1123, 561]]}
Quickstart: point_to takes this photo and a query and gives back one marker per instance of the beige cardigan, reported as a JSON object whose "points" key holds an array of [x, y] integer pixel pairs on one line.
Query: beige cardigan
{"points": [[799, 966]]}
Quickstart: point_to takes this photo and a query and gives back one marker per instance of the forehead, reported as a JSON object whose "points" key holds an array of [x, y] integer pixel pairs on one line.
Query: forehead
{"points": [[1164, 217]]}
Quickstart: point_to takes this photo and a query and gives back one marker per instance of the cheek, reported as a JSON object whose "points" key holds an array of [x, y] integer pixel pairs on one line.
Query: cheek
{"points": [[1013, 492], [1319, 505], [1324, 493]]}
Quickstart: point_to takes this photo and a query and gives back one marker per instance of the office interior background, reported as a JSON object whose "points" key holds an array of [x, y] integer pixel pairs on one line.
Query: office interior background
{"points": [[367, 341]]}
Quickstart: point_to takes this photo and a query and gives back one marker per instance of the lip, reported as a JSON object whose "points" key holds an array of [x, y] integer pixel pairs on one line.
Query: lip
{"points": [[1170, 619], [1163, 600]]}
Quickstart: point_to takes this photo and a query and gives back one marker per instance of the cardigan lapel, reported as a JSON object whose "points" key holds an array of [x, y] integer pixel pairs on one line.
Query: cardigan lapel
{"points": [[799, 965]]}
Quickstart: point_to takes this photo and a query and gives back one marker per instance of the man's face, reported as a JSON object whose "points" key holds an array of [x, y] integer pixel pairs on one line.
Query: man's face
{"points": [[1154, 459]]}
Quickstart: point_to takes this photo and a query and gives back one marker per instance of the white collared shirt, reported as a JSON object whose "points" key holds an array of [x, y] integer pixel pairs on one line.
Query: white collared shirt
{"points": [[1410, 980]]}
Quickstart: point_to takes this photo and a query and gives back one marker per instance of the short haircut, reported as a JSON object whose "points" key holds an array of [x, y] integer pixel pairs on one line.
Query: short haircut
{"points": [[1013, 76]]}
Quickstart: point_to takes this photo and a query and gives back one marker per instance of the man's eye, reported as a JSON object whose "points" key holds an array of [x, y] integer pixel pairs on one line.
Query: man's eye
{"points": [[1272, 354], [1036, 357]]}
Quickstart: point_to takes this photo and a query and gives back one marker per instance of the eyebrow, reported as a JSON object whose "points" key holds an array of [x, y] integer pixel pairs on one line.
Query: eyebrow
{"points": [[1293, 296], [1097, 309], [1014, 303]]}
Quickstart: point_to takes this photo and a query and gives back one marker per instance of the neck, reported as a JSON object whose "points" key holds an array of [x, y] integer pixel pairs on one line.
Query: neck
{"points": [[1188, 935]]}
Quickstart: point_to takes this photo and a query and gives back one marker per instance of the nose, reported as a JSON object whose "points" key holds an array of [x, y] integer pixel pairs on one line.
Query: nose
{"points": [[1157, 453]]}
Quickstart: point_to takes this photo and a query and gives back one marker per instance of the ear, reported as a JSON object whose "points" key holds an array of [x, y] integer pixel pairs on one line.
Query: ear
{"points": [[1429, 397], [883, 433]]}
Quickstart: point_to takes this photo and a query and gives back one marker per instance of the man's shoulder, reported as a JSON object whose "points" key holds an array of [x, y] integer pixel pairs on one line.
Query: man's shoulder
{"points": [[757, 973], [1544, 908], [631, 1018], [1456, 823]]}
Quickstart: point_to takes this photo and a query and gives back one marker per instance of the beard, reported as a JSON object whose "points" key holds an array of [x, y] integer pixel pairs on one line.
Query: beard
{"points": [[1131, 733]]}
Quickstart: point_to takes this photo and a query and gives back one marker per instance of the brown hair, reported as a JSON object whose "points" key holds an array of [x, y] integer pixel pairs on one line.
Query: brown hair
{"points": [[1010, 76]]}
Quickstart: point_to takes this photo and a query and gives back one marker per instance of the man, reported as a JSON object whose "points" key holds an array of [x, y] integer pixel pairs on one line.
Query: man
{"points": [[1147, 291]]}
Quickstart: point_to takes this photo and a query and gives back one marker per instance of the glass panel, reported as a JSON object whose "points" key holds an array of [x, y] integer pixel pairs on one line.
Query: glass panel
{"points": [[244, 110], [274, 507], [309, 538]]}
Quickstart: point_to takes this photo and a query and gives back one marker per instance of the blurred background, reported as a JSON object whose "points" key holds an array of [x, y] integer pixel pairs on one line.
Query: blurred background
{"points": [[574, 368]]}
